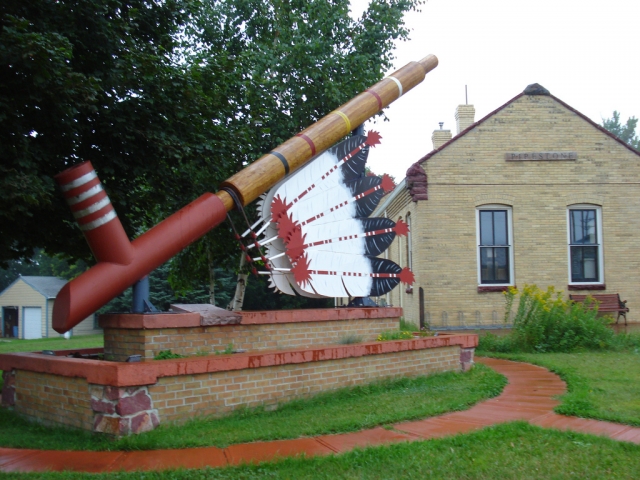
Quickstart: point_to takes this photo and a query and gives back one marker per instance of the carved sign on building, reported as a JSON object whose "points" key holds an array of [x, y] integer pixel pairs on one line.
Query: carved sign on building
{"points": [[539, 156]]}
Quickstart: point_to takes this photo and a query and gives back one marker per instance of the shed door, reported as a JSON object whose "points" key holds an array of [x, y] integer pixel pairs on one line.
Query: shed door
{"points": [[32, 322]]}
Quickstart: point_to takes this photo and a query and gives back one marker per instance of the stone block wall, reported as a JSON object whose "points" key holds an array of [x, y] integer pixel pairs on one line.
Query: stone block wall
{"points": [[121, 411]]}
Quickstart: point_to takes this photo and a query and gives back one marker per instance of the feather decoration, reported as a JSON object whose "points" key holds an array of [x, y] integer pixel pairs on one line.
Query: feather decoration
{"points": [[316, 232]]}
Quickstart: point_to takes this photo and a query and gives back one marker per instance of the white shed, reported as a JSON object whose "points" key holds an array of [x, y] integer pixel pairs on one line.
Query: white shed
{"points": [[27, 307]]}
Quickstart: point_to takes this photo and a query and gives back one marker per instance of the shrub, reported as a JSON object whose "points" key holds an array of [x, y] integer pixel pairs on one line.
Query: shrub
{"points": [[394, 335], [350, 339], [407, 326], [167, 354], [545, 322], [227, 351], [490, 342]]}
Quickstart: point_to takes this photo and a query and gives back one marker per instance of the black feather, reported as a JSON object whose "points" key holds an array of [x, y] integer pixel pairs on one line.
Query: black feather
{"points": [[381, 286], [354, 167], [367, 204], [376, 244]]}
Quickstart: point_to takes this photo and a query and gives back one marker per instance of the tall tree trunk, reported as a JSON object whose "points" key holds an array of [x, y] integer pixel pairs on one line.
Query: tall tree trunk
{"points": [[241, 285]]}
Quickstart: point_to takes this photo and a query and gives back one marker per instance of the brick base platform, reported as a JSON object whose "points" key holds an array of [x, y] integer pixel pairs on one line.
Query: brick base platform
{"points": [[184, 334], [120, 398]]}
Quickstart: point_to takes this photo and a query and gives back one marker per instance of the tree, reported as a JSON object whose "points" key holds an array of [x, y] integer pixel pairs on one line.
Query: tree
{"points": [[166, 99], [40, 264], [626, 132], [299, 60]]}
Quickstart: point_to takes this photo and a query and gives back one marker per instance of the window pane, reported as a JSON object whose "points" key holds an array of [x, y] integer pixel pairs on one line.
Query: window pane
{"points": [[500, 227], [486, 265], [584, 264], [589, 220], [494, 265], [502, 265], [486, 228], [583, 227]]}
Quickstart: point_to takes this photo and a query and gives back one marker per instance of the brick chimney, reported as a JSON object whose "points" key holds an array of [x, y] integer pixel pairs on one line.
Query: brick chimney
{"points": [[465, 116], [440, 137]]}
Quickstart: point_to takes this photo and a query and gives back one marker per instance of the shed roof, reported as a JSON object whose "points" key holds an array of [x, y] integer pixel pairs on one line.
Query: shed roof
{"points": [[47, 286]]}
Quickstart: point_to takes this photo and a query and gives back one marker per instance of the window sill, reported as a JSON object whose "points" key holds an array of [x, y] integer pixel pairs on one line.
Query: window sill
{"points": [[490, 289], [585, 286]]}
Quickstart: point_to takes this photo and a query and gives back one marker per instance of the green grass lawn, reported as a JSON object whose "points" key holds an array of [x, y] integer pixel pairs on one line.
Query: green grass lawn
{"points": [[9, 345], [508, 451], [345, 410], [602, 385]]}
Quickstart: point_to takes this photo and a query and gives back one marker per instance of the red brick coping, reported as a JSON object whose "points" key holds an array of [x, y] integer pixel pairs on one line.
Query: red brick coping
{"points": [[119, 374], [180, 320]]}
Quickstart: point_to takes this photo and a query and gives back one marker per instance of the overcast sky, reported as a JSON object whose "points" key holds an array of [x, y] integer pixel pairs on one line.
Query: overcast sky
{"points": [[584, 52]]}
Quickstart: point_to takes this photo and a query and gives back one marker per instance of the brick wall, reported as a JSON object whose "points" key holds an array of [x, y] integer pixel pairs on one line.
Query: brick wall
{"points": [[53, 399], [120, 343], [472, 172], [122, 408], [179, 398]]}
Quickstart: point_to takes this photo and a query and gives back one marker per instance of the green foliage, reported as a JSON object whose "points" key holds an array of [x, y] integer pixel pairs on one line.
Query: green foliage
{"points": [[162, 295], [626, 132], [228, 350], [167, 355], [40, 264], [258, 296], [512, 451], [167, 99], [394, 335], [56, 343], [350, 339], [604, 385], [545, 322], [407, 326]]}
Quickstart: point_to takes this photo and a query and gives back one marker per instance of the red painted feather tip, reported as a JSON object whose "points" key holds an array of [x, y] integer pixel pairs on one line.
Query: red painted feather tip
{"points": [[278, 208], [295, 244], [301, 272], [407, 276], [373, 138], [387, 183], [286, 225], [401, 228]]}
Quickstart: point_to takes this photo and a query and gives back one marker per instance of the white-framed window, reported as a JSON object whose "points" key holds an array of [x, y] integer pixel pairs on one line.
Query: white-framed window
{"points": [[585, 250], [494, 234]]}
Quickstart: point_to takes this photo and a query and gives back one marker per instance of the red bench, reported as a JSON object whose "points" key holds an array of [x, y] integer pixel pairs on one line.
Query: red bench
{"points": [[607, 303]]}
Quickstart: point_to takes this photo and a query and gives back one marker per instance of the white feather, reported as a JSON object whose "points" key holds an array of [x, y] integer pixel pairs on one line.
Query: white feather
{"points": [[283, 281], [334, 231], [352, 274]]}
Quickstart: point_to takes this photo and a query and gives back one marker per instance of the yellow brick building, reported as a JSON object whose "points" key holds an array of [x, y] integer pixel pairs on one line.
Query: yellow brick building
{"points": [[533, 193]]}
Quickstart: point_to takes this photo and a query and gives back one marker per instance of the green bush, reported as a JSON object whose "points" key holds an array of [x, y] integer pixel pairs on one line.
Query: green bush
{"points": [[407, 326], [394, 335], [350, 339], [545, 322], [167, 354]]}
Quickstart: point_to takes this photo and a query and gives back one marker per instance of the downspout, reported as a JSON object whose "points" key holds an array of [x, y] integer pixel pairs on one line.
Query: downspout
{"points": [[46, 317]]}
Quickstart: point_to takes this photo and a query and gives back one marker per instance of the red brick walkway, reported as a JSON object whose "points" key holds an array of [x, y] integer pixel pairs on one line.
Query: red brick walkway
{"points": [[528, 396]]}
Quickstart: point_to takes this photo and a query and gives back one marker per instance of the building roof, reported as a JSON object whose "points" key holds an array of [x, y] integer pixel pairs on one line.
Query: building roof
{"points": [[416, 180], [47, 286], [533, 89]]}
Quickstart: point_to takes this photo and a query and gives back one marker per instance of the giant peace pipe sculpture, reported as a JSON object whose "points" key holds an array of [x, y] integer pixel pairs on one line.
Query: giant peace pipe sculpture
{"points": [[121, 263]]}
